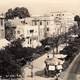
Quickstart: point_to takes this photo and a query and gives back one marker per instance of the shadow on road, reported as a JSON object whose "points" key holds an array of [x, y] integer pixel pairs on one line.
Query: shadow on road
{"points": [[40, 74]]}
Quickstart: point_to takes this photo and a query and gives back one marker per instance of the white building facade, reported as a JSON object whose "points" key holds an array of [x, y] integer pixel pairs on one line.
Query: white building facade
{"points": [[38, 28]]}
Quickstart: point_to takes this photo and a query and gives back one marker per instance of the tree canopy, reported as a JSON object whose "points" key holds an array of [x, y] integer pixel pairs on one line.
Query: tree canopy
{"points": [[14, 57], [20, 12], [76, 18]]}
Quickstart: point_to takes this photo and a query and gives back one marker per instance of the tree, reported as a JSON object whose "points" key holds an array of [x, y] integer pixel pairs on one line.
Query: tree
{"points": [[77, 18], [9, 14], [8, 63], [17, 12], [13, 57]]}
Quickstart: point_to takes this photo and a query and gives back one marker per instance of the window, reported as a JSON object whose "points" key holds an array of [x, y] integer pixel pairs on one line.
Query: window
{"points": [[1, 22], [18, 32], [31, 31], [47, 23], [35, 22], [40, 22], [63, 14], [47, 29]]}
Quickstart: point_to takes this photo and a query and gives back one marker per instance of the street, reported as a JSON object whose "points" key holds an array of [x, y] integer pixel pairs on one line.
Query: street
{"points": [[38, 69]]}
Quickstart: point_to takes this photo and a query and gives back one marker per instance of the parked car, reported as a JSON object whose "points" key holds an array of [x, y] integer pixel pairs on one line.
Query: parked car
{"points": [[53, 66]]}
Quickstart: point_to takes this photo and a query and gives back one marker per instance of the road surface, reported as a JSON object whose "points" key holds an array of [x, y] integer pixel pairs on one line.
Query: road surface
{"points": [[38, 69]]}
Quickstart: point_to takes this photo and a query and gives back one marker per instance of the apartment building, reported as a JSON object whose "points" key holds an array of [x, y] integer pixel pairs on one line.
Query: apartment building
{"points": [[37, 28], [2, 28]]}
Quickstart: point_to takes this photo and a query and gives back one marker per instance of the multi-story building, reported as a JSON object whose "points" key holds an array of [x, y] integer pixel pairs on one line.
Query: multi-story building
{"points": [[2, 28], [41, 27]]}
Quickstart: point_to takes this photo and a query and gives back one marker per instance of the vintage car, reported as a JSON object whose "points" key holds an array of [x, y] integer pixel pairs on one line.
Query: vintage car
{"points": [[53, 66]]}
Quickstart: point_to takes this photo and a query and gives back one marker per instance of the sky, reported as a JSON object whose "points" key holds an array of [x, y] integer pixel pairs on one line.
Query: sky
{"points": [[40, 7]]}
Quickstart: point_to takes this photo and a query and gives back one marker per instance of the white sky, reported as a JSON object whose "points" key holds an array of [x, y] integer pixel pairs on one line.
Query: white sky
{"points": [[41, 6]]}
